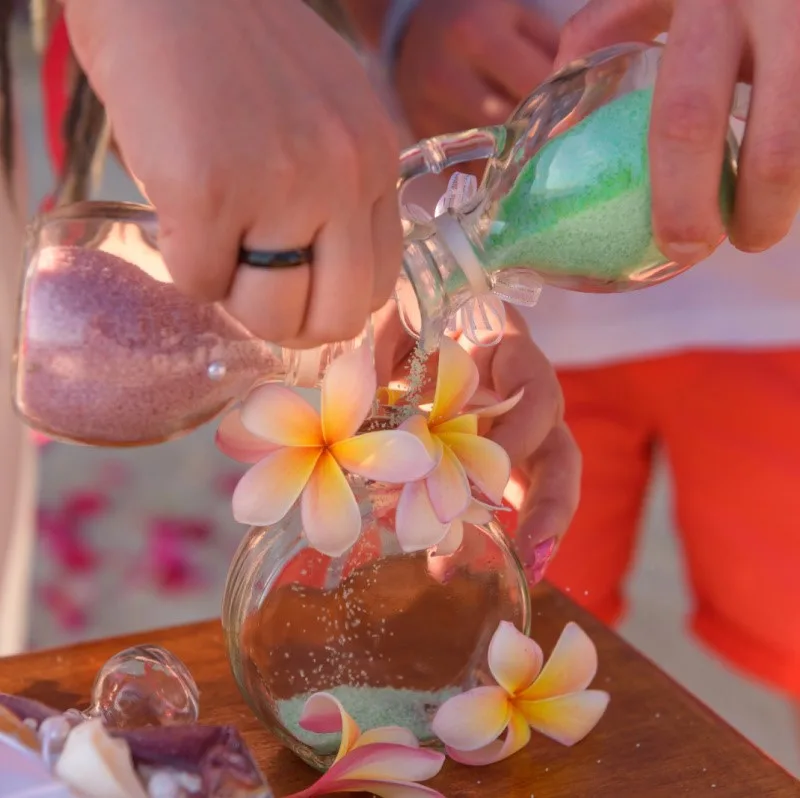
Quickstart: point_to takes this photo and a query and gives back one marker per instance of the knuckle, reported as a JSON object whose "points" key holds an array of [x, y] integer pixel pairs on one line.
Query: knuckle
{"points": [[775, 160]]}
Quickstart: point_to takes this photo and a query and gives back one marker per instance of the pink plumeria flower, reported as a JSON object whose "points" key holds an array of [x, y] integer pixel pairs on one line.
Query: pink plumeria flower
{"points": [[301, 453], [386, 762], [426, 509], [552, 700]]}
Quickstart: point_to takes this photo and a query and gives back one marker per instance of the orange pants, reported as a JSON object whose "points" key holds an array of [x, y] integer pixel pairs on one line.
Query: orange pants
{"points": [[729, 425]]}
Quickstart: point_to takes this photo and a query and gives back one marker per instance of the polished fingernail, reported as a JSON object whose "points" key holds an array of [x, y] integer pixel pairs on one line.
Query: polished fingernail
{"points": [[539, 560]]}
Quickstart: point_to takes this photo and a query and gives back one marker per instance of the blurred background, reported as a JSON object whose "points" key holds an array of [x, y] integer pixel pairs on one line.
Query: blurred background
{"points": [[136, 539]]}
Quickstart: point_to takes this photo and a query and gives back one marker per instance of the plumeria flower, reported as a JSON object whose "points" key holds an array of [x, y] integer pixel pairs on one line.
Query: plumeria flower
{"points": [[301, 453], [426, 509], [387, 762], [552, 700]]}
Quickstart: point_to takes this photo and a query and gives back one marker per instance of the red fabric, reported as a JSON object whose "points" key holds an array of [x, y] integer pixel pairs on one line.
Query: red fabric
{"points": [[56, 94]]}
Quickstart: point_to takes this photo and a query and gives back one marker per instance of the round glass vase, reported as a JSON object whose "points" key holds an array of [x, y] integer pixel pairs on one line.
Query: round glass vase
{"points": [[391, 634]]}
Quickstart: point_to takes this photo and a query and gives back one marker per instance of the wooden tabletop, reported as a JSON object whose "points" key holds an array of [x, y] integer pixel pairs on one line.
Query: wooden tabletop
{"points": [[655, 740]]}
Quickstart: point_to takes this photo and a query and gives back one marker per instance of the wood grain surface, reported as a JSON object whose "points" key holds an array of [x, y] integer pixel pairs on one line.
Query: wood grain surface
{"points": [[656, 741]]}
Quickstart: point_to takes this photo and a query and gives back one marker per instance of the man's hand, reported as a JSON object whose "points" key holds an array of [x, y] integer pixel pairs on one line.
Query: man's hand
{"points": [[466, 63], [252, 123], [547, 463], [712, 44]]}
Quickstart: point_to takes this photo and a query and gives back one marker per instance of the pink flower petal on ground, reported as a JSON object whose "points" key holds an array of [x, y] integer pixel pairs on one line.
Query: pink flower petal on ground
{"points": [[235, 441], [472, 720], [416, 524], [518, 734], [331, 518], [514, 659], [456, 382], [279, 415], [448, 488], [499, 408], [396, 735], [324, 714], [418, 426], [477, 513], [268, 490], [391, 456], [571, 667], [452, 541], [348, 393], [567, 719], [487, 464]]}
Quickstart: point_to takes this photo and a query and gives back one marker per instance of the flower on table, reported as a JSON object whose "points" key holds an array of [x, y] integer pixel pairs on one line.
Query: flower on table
{"points": [[550, 698], [450, 432], [387, 761], [299, 453]]}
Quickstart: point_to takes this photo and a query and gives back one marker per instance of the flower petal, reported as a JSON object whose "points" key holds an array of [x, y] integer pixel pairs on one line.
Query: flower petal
{"points": [[348, 393], [235, 441], [518, 734], [567, 719], [324, 714], [397, 735], [514, 659], [388, 762], [466, 423], [268, 490], [486, 462], [416, 523], [383, 789], [418, 425], [390, 456], [448, 487], [474, 719], [571, 667], [456, 381], [331, 518], [498, 408], [452, 541], [278, 415], [477, 513]]}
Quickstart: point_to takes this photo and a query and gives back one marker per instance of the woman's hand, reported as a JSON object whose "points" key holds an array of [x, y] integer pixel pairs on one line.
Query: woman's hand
{"points": [[712, 44], [252, 123], [547, 464]]}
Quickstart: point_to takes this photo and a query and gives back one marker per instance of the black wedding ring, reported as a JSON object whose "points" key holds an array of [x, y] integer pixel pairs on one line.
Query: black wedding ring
{"points": [[275, 258]]}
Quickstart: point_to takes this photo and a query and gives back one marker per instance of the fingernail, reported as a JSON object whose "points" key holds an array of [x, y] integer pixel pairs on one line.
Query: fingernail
{"points": [[687, 253], [540, 558]]}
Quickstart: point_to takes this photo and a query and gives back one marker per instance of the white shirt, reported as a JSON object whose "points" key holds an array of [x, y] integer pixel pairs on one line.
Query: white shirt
{"points": [[731, 300]]}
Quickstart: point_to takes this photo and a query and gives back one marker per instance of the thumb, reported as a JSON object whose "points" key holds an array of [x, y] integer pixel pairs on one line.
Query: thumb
{"points": [[602, 23]]}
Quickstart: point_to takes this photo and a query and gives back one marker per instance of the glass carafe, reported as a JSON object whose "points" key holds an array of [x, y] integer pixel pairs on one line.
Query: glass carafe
{"points": [[110, 353], [391, 634], [564, 201]]}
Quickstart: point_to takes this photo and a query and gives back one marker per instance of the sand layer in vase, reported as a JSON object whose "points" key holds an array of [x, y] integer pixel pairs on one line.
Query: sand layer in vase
{"points": [[582, 205], [370, 707]]}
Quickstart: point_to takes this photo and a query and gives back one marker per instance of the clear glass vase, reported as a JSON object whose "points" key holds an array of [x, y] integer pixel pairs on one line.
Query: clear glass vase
{"points": [[391, 634], [564, 201]]}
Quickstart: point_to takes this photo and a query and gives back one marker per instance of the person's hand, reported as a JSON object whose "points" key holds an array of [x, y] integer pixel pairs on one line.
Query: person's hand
{"points": [[467, 63], [711, 45], [252, 123], [546, 463]]}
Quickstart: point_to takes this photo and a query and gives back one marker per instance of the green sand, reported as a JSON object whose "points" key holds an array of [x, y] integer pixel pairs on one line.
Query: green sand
{"points": [[370, 707], [582, 205]]}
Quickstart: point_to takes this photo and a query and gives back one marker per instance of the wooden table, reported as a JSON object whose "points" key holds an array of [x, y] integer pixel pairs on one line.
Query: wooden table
{"points": [[656, 740]]}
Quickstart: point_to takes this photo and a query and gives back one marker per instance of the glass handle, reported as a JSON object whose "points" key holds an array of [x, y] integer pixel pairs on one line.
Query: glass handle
{"points": [[433, 156]]}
